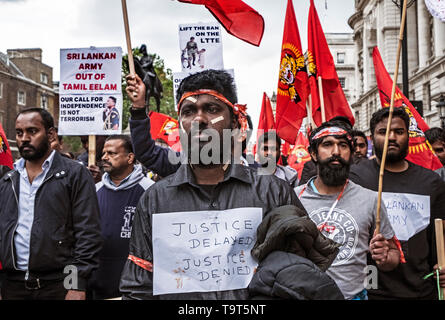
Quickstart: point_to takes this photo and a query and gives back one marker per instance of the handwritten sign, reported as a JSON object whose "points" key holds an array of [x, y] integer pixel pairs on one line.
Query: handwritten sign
{"points": [[408, 213], [204, 251], [90, 91]]}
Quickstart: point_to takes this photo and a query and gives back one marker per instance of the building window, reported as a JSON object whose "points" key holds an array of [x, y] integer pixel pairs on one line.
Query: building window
{"points": [[1, 90], [342, 82], [21, 98], [44, 78], [427, 96], [44, 101], [341, 57]]}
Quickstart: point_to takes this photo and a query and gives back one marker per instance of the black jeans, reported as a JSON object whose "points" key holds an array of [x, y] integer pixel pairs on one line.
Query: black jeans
{"points": [[49, 290]]}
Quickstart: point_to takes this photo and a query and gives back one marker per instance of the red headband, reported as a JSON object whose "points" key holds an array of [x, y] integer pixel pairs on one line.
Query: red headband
{"points": [[331, 131], [238, 109]]}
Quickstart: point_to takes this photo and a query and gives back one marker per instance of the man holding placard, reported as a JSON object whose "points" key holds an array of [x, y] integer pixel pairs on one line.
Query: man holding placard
{"points": [[413, 197], [193, 230]]}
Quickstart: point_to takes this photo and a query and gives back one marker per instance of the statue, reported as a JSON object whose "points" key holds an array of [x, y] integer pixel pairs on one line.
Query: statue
{"points": [[146, 71]]}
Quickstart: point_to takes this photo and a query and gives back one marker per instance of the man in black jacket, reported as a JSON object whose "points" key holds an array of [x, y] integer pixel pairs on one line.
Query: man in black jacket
{"points": [[49, 218], [198, 224]]}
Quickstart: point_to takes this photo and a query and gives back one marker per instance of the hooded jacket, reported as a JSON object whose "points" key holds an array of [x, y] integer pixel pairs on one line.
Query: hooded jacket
{"points": [[293, 256], [117, 205]]}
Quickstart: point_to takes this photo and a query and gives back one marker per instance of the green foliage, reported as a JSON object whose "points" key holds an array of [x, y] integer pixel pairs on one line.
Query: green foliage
{"points": [[165, 76]]}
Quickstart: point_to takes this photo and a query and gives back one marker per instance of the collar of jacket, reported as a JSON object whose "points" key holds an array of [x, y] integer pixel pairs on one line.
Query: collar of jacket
{"points": [[185, 175], [58, 169]]}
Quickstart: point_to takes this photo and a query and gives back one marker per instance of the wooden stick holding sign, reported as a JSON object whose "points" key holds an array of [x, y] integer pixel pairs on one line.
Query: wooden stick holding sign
{"points": [[440, 247], [391, 110], [91, 150], [127, 35]]}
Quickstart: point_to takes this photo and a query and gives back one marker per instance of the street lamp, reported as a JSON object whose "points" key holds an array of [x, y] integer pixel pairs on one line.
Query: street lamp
{"points": [[441, 108]]}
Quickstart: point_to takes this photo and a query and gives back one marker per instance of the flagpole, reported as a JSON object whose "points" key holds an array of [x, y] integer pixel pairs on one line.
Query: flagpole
{"points": [[127, 35], [309, 113], [391, 110], [320, 90], [440, 246]]}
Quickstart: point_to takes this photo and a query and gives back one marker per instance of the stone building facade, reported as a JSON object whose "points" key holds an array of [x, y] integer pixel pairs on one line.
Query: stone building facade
{"points": [[25, 82], [377, 23]]}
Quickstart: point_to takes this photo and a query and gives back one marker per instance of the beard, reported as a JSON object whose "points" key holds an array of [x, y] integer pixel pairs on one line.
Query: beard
{"points": [[392, 156], [34, 153], [333, 175]]}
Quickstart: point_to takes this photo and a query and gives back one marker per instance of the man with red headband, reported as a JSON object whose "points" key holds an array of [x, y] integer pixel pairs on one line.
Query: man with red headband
{"points": [[345, 212], [193, 230], [163, 161]]}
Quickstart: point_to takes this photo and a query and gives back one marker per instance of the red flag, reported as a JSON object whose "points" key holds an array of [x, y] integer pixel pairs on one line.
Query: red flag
{"points": [[239, 19], [293, 82], [267, 120], [321, 64], [166, 128], [5, 150], [420, 150], [299, 154]]}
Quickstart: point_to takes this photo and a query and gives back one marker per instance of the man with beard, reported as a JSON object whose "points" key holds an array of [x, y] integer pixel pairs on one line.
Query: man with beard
{"points": [[345, 212], [211, 184], [49, 218], [122, 185], [413, 197], [269, 146]]}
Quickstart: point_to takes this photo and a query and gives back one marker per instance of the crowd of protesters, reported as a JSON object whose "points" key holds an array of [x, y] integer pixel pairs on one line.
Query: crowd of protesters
{"points": [[317, 238]]}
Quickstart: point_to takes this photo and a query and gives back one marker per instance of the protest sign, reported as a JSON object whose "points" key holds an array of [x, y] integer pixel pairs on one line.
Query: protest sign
{"points": [[204, 251], [90, 91], [408, 213], [200, 47]]}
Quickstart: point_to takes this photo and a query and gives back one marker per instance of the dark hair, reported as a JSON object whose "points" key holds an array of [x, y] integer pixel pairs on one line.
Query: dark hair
{"points": [[435, 134], [269, 135], [249, 133], [383, 113], [128, 146], [358, 133], [344, 120], [218, 80], [112, 98], [47, 118], [313, 144]]}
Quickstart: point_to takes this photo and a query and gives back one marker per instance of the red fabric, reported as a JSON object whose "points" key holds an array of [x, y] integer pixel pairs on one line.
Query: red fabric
{"points": [[144, 264], [166, 128], [299, 154], [321, 64], [239, 19], [420, 151], [293, 87], [267, 120], [5, 150]]}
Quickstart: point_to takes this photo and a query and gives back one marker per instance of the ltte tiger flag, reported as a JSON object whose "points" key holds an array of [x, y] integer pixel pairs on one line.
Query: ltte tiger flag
{"points": [[321, 64], [293, 87], [5, 150], [420, 151]]}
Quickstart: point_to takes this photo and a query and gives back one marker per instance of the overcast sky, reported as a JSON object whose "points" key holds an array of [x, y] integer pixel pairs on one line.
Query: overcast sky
{"points": [[51, 25]]}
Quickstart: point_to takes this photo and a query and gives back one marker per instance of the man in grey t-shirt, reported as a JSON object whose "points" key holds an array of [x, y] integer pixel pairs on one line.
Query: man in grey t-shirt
{"points": [[346, 212]]}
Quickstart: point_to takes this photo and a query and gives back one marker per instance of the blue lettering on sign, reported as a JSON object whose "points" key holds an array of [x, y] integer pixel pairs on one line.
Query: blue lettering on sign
{"points": [[397, 220], [404, 205]]}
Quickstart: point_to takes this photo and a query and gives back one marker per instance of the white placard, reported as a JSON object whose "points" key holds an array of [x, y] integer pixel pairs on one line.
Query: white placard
{"points": [[204, 251], [408, 213], [436, 8], [90, 91], [200, 47]]}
